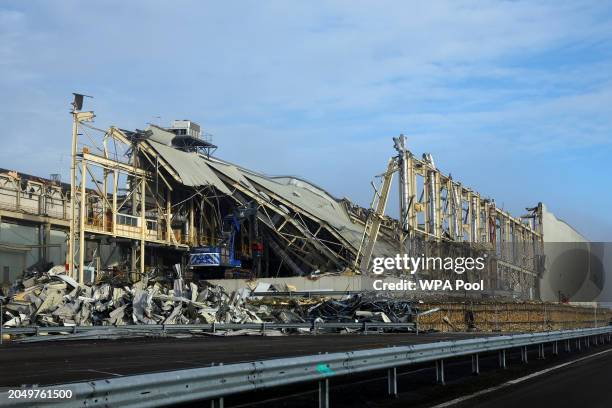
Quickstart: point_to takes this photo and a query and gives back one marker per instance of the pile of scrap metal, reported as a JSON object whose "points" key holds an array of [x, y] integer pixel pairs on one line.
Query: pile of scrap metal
{"points": [[365, 307], [55, 299], [356, 308]]}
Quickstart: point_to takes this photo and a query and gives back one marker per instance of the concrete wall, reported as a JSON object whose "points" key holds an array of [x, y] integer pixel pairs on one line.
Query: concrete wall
{"points": [[300, 283]]}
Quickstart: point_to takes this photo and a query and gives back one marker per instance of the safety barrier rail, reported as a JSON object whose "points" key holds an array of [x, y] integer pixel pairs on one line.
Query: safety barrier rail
{"points": [[213, 327], [213, 383]]}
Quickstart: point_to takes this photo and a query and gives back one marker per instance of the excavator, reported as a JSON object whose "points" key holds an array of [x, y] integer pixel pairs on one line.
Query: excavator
{"points": [[212, 259]]}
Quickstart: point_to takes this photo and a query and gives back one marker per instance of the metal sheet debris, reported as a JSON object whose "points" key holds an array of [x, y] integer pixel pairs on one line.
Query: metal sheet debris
{"points": [[52, 299]]}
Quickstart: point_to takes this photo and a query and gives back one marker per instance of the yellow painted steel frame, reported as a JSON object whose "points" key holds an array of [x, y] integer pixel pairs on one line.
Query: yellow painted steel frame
{"points": [[102, 208], [443, 210]]}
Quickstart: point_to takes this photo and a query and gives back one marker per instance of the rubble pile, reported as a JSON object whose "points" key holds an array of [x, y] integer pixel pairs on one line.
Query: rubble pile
{"points": [[365, 307], [55, 299]]}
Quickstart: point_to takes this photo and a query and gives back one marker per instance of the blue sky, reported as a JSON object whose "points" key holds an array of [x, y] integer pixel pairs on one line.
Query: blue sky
{"points": [[513, 98]]}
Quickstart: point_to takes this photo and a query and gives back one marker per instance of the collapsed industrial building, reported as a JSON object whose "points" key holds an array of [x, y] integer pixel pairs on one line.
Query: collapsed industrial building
{"points": [[144, 204], [179, 204]]}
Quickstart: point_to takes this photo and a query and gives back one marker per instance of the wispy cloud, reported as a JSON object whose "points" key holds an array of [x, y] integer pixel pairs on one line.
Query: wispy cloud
{"points": [[502, 92]]}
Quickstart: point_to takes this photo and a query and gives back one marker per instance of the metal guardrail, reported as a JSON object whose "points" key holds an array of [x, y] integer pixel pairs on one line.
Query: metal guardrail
{"points": [[169, 328], [213, 383], [309, 293]]}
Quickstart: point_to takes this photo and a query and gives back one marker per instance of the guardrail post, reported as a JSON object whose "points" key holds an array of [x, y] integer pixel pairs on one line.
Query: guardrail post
{"points": [[524, 358], [365, 327], [475, 364], [541, 351], [214, 327], [216, 403], [324, 393], [556, 348], [392, 381], [578, 345], [440, 372], [587, 342], [502, 359], [568, 346]]}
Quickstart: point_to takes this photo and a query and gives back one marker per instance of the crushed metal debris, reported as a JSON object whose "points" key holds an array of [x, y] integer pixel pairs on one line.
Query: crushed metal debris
{"points": [[53, 299]]}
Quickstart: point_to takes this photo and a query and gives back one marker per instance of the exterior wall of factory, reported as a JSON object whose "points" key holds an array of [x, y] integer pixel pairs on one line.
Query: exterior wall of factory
{"points": [[18, 249], [33, 223], [574, 267]]}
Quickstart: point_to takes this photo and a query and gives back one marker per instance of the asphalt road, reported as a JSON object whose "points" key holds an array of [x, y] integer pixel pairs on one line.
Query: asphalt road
{"points": [[581, 384], [584, 384], [71, 361]]}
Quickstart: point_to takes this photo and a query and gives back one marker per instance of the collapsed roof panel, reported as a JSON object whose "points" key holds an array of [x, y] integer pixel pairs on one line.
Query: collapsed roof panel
{"points": [[192, 169], [296, 192], [160, 135], [232, 173], [304, 198], [321, 205]]}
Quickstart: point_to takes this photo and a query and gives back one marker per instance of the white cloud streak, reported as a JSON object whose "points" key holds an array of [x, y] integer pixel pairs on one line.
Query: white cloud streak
{"points": [[319, 89]]}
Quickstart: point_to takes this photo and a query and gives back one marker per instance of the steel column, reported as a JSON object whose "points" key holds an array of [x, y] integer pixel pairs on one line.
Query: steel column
{"points": [[143, 222], [71, 243], [83, 214], [377, 218]]}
